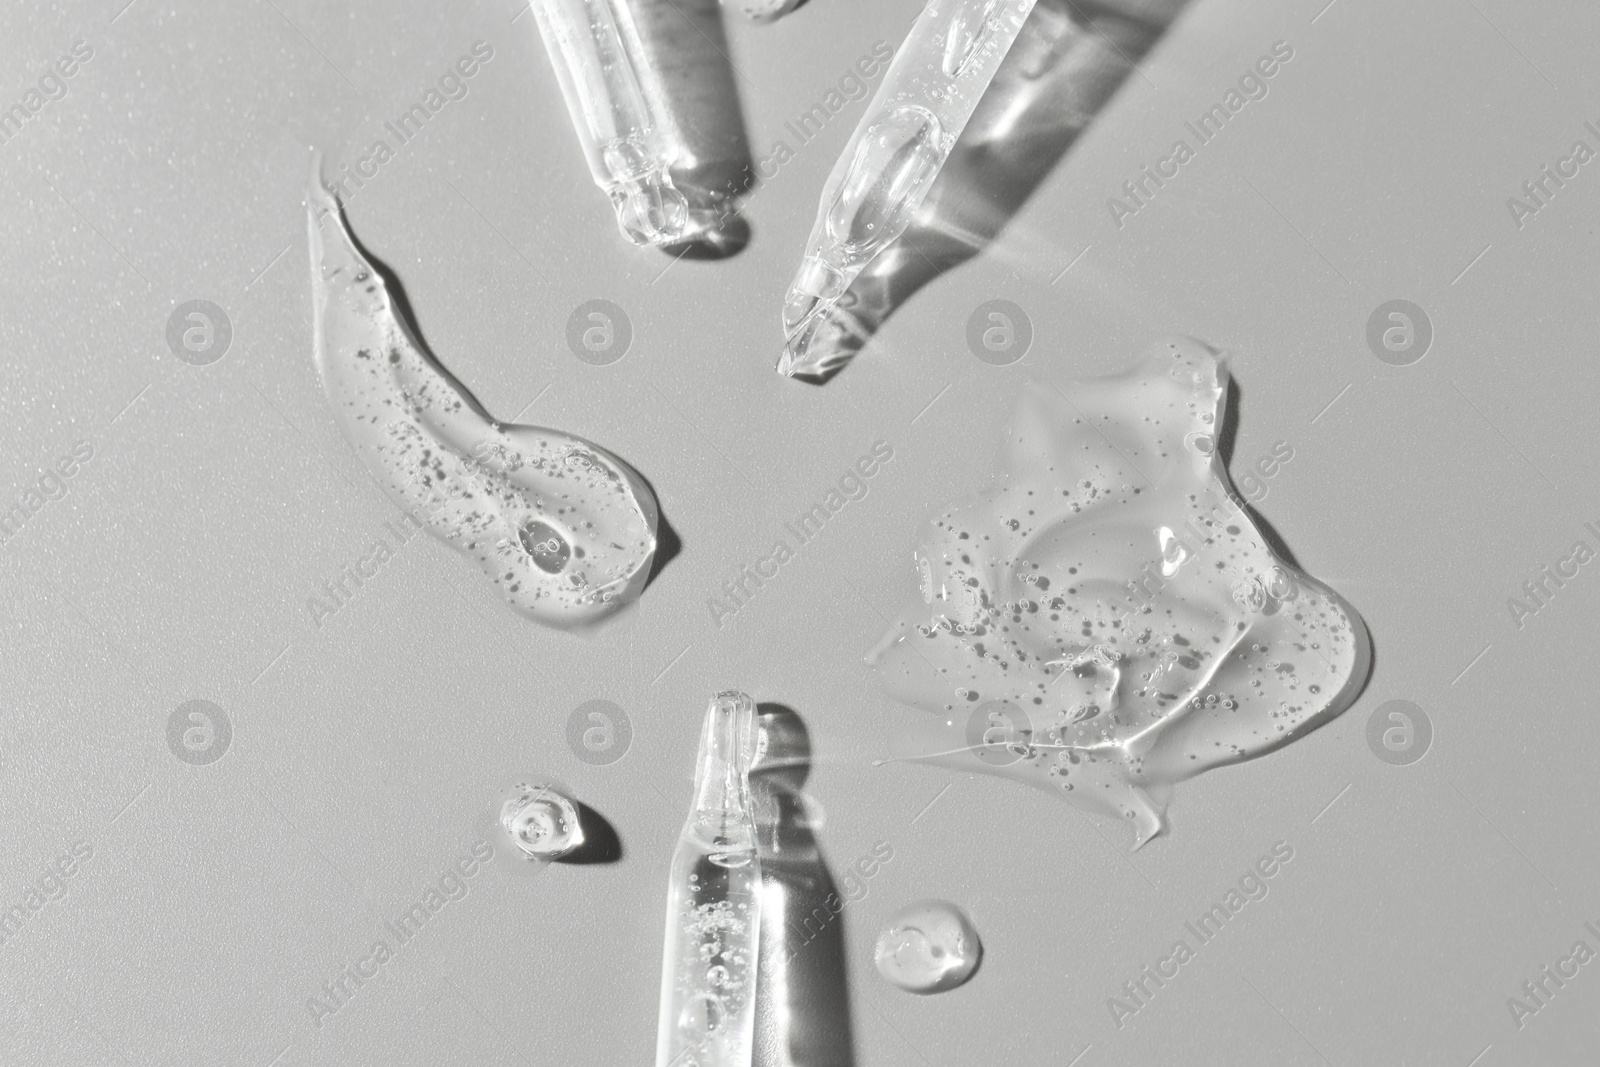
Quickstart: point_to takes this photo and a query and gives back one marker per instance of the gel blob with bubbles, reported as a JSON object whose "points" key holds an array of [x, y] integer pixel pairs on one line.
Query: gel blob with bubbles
{"points": [[566, 530], [1106, 619]]}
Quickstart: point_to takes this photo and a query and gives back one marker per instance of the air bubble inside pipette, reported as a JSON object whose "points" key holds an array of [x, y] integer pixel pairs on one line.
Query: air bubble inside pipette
{"points": [[606, 82], [708, 970], [874, 191]]}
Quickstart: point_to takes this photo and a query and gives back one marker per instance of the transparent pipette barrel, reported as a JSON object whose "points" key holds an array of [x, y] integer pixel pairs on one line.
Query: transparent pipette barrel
{"points": [[708, 968], [595, 50], [686, 50], [1062, 69], [936, 80]]}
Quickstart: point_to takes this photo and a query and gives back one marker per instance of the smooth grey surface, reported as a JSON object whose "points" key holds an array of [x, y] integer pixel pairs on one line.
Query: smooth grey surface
{"points": [[364, 752]]}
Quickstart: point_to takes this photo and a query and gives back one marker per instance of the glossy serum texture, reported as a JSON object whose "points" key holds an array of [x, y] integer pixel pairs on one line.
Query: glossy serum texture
{"points": [[1106, 619], [928, 947], [566, 530], [708, 968], [539, 821]]}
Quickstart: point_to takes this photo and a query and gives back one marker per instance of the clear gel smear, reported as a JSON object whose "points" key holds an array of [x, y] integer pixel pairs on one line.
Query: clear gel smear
{"points": [[1106, 619], [708, 968], [566, 530]]}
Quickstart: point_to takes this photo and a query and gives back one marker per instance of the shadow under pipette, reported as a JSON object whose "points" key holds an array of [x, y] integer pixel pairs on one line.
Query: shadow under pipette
{"points": [[1068, 61], [802, 991], [696, 99]]}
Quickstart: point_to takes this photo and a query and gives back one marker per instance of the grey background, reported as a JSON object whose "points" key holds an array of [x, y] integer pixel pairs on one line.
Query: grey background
{"points": [[364, 752]]}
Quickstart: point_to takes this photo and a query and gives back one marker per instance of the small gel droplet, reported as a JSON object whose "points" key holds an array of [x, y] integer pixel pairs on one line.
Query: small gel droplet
{"points": [[541, 822], [928, 947]]}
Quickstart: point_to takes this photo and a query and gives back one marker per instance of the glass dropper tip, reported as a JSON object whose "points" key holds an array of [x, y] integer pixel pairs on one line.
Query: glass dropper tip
{"points": [[809, 304], [650, 209], [729, 741]]}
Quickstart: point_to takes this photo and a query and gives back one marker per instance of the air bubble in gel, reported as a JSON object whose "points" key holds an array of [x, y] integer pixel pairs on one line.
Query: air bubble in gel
{"points": [[539, 821], [563, 528], [928, 947]]}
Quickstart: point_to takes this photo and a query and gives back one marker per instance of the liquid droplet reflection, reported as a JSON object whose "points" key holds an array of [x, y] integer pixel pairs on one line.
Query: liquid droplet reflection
{"points": [[539, 821], [895, 159], [549, 549], [928, 947]]}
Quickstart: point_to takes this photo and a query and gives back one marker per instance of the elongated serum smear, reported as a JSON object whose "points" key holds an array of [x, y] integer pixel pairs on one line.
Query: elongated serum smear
{"points": [[1107, 620], [566, 530]]}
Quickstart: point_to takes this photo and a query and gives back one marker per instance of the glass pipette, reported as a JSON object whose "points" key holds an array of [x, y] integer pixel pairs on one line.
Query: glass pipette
{"points": [[595, 50], [929, 92], [708, 968]]}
